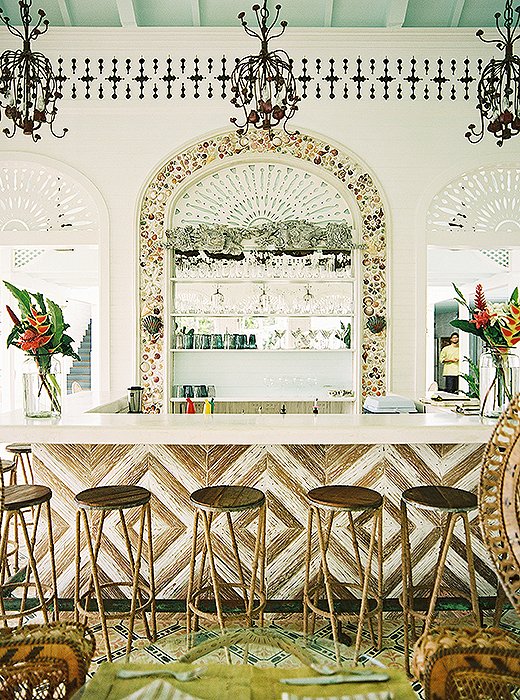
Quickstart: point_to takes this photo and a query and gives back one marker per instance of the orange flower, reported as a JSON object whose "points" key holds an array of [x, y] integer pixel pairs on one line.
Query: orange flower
{"points": [[32, 340], [511, 331]]}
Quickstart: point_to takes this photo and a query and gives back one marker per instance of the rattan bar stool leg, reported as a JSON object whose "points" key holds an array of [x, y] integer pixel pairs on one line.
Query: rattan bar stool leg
{"points": [[238, 564], [257, 569], [32, 543], [499, 605], [213, 570], [153, 604], [361, 573], [380, 578], [189, 594], [33, 568], [407, 584], [56, 610], [306, 581], [328, 588], [95, 579], [471, 570], [135, 581], [319, 576], [5, 517], [364, 593], [132, 569], [450, 526], [78, 569]]}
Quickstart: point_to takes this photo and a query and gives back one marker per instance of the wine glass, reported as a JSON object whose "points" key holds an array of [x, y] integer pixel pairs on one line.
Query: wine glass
{"points": [[278, 337], [326, 333]]}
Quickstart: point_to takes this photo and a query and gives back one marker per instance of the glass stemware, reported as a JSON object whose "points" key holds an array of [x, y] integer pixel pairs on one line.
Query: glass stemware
{"points": [[326, 333], [278, 337]]}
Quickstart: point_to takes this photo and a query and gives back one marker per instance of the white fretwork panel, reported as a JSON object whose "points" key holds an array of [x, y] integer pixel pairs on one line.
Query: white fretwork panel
{"points": [[37, 198], [486, 200], [250, 194]]}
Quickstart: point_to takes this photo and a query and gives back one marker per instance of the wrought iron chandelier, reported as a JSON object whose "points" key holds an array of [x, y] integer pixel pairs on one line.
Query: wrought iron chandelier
{"points": [[498, 90], [28, 87], [263, 85]]}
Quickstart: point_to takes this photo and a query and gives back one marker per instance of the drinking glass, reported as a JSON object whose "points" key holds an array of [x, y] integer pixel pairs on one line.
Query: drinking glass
{"points": [[278, 337]]}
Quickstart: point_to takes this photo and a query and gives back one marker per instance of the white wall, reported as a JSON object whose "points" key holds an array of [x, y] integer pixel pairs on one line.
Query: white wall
{"points": [[411, 147]]}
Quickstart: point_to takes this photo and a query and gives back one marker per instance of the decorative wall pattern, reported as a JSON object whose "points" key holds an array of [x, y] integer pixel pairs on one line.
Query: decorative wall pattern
{"points": [[229, 148], [345, 77], [482, 201], [285, 473], [38, 198]]}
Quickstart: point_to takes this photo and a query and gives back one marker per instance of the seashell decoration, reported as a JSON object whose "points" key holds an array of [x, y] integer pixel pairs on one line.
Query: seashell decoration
{"points": [[153, 325], [376, 324]]}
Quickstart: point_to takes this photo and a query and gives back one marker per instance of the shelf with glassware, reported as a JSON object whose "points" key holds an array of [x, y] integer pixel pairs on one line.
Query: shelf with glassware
{"points": [[287, 310]]}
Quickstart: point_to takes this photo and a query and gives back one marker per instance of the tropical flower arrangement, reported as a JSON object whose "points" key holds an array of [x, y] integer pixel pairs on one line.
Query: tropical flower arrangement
{"points": [[40, 333], [498, 325]]}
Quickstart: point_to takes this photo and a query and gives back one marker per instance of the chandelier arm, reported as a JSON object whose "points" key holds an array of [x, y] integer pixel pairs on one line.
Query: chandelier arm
{"points": [[14, 30]]}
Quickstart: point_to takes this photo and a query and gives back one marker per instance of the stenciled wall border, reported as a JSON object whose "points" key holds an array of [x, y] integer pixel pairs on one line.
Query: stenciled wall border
{"points": [[226, 147]]}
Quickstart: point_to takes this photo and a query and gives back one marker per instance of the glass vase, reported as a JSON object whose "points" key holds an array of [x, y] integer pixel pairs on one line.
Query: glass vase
{"points": [[42, 387], [499, 380]]}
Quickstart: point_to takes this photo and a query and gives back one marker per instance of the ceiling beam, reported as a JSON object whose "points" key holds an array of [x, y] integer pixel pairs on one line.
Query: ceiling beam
{"points": [[458, 6], [396, 13], [64, 10], [195, 13], [328, 8], [126, 13]]}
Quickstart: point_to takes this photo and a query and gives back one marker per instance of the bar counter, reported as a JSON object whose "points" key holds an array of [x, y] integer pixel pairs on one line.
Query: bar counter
{"points": [[284, 455]]}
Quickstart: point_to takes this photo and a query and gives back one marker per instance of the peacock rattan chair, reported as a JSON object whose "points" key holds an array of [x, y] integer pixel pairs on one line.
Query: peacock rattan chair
{"points": [[465, 663], [44, 662]]}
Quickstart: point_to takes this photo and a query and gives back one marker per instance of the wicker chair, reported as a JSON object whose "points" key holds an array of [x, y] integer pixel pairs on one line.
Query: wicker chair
{"points": [[44, 662], [465, 663]]}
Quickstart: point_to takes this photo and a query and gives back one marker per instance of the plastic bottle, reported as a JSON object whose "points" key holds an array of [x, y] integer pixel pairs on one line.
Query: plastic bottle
{"points": [[207, 408], [315, 407], [283, 409], [190, 406], [212, 405]]}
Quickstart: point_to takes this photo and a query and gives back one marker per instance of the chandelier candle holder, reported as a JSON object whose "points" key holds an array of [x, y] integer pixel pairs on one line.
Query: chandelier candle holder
{"points": [[28, 87], [498, 90], [263, 85]]}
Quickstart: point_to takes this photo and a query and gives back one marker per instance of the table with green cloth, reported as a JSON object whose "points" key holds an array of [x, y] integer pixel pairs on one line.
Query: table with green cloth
{"points": [[237, 682]]}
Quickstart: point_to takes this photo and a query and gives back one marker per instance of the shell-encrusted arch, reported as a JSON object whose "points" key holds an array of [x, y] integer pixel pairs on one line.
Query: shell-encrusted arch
{"points": [[225, 147]]}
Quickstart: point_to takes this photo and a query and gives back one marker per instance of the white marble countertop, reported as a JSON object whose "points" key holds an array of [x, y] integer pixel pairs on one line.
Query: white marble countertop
{"points": [[76, 426]]}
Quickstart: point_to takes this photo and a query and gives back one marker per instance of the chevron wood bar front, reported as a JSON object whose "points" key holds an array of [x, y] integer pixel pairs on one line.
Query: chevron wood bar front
{"points": [[285, 473]]}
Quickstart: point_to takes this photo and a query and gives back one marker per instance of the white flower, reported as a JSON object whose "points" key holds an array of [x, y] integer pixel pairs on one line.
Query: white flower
{"points": [[498, 312]]}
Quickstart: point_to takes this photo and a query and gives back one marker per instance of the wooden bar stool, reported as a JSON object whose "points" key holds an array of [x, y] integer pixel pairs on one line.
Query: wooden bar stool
{"points": [[15, 502], [100, 501], [325, 503], [248, 596], [455, 503], [22, 460]]}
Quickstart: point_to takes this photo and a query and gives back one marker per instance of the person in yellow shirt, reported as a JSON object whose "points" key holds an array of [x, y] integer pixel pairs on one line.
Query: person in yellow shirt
{"points": [[449, 358]]}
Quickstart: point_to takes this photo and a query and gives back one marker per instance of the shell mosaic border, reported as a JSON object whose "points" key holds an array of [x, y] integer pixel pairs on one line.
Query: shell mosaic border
{"points": [[224, 148]]}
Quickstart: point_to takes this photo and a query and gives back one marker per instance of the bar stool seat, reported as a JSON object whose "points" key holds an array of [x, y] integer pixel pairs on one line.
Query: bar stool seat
{"points": [[442, 498], [324, 503], [25, 496], [7, 465], [94, 507], [246, 597], [454, 503], [113, 497], [22, 459]]}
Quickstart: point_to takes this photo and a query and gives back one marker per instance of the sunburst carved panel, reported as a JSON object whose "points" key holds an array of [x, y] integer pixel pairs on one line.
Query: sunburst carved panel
{"points": [[486, 200], [38, 198], [250, 194]]}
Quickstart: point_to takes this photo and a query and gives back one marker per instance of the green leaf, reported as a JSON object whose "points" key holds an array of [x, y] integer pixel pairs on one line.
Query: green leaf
{"points": [[467, 327], [460, 296], [514, 296], [56, 316], [40, 301], [15, 333], [23, 297]]}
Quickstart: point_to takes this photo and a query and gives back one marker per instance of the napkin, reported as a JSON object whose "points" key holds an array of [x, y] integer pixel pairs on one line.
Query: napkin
{"points": [[383, 695], [159, 690]]}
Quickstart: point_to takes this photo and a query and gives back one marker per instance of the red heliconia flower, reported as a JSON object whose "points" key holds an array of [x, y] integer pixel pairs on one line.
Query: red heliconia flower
{"points": [[481, 319], [480, 299], [32, 340]]}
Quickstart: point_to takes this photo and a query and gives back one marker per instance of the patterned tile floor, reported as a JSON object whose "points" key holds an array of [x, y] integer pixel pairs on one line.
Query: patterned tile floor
{"points": [[171, 642]]}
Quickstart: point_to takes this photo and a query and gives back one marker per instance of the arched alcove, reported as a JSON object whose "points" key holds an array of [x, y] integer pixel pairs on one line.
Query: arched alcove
{"points": [[323, 161], [54, 231], [473, 235]]}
